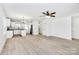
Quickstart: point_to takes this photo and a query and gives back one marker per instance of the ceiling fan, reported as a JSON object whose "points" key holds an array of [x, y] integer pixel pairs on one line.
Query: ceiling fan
{"points": [[51, 14]]}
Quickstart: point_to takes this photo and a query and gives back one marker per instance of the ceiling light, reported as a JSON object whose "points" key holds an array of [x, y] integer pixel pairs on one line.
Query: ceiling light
{"points": [[47, 16]]}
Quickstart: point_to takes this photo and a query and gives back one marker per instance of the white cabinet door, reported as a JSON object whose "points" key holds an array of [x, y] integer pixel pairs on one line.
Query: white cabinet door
{"points": [[23, 32]]}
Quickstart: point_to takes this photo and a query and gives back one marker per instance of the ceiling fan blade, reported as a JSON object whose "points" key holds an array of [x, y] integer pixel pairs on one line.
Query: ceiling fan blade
{"points": [[53, 13], [43, 12]]}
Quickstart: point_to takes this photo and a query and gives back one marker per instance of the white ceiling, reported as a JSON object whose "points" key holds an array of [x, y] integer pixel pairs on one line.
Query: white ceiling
{"points": [[34, 10]]}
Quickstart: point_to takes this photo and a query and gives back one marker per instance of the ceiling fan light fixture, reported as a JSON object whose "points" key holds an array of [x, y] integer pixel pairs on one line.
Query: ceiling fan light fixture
{"points": [[47, 16]]}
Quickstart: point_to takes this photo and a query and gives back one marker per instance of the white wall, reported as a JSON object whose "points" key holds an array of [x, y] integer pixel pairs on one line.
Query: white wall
{"points": [[35, 27], [75, 26], [57, 27], [3, 28], [62, 27], [45, 27], [2, 14]]}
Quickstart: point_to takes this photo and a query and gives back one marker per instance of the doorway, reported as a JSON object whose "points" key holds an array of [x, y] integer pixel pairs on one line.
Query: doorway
{"points": [[31, 29]]}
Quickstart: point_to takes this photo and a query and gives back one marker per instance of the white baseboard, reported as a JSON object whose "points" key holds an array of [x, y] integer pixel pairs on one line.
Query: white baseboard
{"points": [[63, 37], [60, 37], [75, 38]]}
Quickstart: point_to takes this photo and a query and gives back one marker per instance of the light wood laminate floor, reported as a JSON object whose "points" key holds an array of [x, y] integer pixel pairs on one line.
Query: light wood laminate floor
{"points": [[40, 45]]}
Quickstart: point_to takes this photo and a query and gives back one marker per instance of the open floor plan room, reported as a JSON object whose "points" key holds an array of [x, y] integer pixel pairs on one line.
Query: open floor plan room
{"points": [[39, 29]]}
